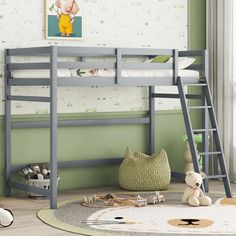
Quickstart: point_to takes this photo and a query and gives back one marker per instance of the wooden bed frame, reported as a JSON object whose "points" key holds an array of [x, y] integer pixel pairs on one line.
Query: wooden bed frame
{"points": [[54, 53]]}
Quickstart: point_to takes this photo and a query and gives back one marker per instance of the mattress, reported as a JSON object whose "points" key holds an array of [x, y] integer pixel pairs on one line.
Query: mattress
{"points": [[148, 73], [102, 73]]}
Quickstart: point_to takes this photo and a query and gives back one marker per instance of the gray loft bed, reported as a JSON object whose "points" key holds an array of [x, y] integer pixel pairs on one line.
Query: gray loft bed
{"points": [[53, 53]]}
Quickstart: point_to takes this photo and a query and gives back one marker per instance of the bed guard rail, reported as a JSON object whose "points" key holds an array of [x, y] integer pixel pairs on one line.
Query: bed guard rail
{"points": [[118, 64], [201, 62]]}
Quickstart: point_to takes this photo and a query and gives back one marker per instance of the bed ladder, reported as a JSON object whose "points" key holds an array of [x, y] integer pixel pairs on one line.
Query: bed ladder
{"points": [[218, 153]]}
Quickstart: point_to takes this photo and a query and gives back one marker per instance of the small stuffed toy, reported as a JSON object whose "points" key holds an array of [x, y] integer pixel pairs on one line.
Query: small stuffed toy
{"points": [[36, 169], [6, 217], [46, 173], [193, 195], [27, 173]]}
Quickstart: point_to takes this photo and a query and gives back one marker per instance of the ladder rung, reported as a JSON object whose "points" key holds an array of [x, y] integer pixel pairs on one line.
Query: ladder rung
{"points": [[203, 130], [199, 107], [210, 153], [216, 177]]}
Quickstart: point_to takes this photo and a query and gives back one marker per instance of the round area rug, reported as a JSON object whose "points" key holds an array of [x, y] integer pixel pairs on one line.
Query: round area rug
{"points": [[167, 218]]}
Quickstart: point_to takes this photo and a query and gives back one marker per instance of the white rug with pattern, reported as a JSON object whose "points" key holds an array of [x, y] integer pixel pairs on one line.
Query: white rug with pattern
{"points": [[168, 218], [215, 219]]}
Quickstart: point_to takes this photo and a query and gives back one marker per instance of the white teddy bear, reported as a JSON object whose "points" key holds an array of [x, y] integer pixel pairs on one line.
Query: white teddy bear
{"points": [[193, 195]]}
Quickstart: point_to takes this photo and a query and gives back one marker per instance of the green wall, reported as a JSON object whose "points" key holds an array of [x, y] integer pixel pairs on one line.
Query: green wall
{"points": [[197, 24], [32, 145]]}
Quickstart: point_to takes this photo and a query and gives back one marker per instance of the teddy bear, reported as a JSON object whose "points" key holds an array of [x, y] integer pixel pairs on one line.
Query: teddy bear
{"points": [[193, 195]]}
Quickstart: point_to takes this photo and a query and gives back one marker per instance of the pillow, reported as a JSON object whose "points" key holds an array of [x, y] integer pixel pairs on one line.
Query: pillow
{"points": [[183, 62], [139, 171], [159, 59]]}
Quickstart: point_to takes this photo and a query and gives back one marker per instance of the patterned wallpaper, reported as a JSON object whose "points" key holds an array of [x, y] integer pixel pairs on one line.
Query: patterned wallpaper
{"points": [[106, 23]]}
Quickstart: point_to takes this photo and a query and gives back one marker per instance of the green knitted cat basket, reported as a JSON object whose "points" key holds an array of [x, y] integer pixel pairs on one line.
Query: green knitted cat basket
{"points": [[139, 171]]}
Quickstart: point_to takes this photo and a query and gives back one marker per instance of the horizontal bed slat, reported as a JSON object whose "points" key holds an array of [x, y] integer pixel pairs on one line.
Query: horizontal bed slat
{"points": [[77, 163], [73, 51], [145, 81], [81, 122], [29, 66], [146, 51], [101, 81], [92, 162], [28, 82], [191, 53], [29, 51], [86, 81], [28, 98], [190, 80], [169, 95], [80, 51]]}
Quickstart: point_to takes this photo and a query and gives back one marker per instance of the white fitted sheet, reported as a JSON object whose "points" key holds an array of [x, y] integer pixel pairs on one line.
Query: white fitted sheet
{"points": [[148, 73], [103, 73]]}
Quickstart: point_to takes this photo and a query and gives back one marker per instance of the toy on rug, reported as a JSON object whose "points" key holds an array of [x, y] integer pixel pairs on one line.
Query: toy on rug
{"points": [[6, 217], [193, 195], [112, 200]]}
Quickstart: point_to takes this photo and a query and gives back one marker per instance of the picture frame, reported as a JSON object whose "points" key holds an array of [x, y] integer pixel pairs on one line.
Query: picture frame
{"points": [[63, 19]]}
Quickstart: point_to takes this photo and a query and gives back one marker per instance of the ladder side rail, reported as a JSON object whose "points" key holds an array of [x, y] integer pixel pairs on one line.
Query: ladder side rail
{"points": [[205, 143], [217, 141], [188, 125], [205, 121]]}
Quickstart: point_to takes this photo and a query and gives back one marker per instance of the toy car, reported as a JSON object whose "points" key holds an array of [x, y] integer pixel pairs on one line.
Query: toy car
{"points": [[141, 203]]}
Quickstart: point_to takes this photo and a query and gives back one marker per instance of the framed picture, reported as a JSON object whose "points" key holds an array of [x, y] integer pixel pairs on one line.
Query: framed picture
{"points": [[63, 19]]}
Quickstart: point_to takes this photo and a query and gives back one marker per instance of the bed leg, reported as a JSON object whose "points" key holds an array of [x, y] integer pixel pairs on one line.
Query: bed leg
{"points": [[152, 120]]}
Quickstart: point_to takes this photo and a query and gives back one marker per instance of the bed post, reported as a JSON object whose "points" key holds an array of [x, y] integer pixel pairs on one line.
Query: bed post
{"points": [[53, 127], [7, 131], [205, 121], [118, 65], [175, 66], [151, 113]]}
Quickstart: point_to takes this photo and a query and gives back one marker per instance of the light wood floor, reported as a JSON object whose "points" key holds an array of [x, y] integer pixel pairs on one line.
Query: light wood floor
{"points": [[27, 224]]}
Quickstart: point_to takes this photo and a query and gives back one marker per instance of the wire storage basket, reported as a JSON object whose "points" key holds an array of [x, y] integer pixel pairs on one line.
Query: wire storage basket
{"points": [[44, 183]]}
